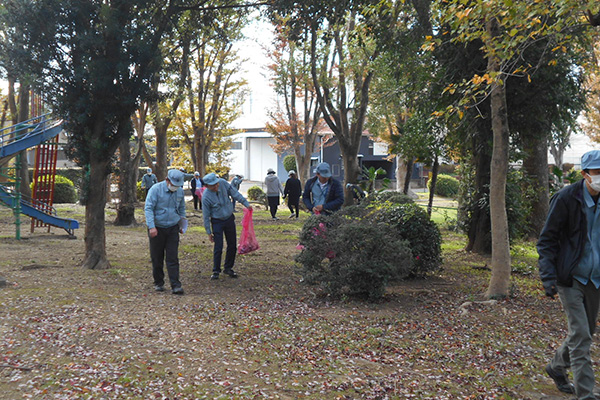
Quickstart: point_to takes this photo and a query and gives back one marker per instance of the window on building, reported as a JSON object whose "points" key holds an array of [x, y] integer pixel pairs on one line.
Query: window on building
{"points": [[236, 145]]}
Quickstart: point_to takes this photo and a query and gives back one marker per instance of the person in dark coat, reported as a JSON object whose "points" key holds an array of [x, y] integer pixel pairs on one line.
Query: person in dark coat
{"points": [[293, 191], [569, 265], [196, 183], [322, 193]]}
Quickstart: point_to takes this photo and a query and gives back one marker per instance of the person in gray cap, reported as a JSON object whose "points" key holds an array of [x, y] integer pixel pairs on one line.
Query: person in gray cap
{"points": [[322, 193], [569, 265], [148, 180], [236, 182], [217, 210], [165, 211], [274, 188]]}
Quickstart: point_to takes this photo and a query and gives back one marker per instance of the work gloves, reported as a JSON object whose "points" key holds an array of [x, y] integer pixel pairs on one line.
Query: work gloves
{"points": [[550, 288]]}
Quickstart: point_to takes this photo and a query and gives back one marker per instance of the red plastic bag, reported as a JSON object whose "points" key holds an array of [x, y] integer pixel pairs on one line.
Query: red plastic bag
{"points": [[248, 240]]}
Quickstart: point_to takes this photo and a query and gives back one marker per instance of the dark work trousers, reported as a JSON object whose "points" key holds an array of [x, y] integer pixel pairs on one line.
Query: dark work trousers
{"points": [[197, 201], [165, 246], [294, 203], [227, 227], [273, 203]]}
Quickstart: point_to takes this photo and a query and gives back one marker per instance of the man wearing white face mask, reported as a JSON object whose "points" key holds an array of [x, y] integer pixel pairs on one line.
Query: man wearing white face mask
{"points": [[165, 209], [569, 265]]}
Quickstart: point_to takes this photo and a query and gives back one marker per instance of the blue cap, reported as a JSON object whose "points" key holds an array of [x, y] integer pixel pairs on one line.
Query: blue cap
{"points": [[591, 160], [176, 177], [210, 179], [324, 170]]}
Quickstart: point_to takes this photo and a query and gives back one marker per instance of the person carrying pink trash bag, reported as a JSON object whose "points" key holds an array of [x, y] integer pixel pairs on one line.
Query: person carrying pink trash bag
{"points": [[248, 242]]}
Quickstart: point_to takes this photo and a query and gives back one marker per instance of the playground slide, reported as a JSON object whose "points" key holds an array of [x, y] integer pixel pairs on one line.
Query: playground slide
{"points": [[30, 210], [40, 133]]}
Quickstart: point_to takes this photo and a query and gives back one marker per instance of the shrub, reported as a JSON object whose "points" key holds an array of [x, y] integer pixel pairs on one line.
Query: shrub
{"points": [[353, 256], [289, 163], [446, 186], [255, 193], [393, 197], [140, 192], [413, 224], [64, 190]]}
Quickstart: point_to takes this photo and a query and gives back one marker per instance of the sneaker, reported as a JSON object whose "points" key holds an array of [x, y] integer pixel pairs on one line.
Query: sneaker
{"points": [[177, 290], [159, 288], [231, 274], [292, 216], [560, 380], [274, 218], [214, 277]]}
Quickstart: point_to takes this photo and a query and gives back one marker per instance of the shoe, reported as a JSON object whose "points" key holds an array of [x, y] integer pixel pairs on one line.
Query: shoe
{"points": [[231, 274], [177, 290], [159, 288], [274, 218], [214, 277], [292, 216], [561, 381]]}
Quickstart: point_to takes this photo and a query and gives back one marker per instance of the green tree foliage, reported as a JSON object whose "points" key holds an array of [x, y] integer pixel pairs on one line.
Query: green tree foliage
{"points": [[289, 163]]}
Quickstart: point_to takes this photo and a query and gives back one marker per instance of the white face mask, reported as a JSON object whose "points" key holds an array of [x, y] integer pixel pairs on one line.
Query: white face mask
{"points": [[149, 172], [172, 188], [594, 182]]}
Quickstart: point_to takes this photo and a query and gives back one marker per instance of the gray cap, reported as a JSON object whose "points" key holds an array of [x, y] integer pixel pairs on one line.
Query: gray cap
{"points": [[324, 170], [291, 172], [176, 177], [591, 160], [210, 179]]}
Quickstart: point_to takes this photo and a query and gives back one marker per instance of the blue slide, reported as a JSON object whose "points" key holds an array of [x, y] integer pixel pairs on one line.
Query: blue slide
{"points": [[23, 136]]}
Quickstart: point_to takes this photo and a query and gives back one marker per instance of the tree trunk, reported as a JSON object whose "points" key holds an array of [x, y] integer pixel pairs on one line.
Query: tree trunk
{"points": [[351, 170], [95, 233], [24, 116], [434, 174], [127, 186], [500, 278], [401, 168], [409, 169], [162, 151], [479, 230], [535, 165]]}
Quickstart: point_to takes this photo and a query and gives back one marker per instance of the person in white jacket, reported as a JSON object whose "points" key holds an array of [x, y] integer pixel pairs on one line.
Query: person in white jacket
{"points": [[274, 188]]}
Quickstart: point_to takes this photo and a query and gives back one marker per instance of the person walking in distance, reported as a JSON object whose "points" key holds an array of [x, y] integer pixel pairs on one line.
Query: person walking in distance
{"points": [[165, 211], [196, 184], [236, 182], [219, 221], [293, 191], [148, 180], [274, 188], [569, 265]]}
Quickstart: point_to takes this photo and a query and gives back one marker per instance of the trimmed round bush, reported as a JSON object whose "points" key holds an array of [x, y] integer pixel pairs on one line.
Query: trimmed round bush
{"points": [[424, 238], [289, 163], [446, 186], [255, 193], [352, 255], [64, 190]]}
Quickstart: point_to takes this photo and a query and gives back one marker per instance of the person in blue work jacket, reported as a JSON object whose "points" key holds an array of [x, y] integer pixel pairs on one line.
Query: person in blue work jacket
{"points": [[165, 213], [569, 265], [217, 210], [148, 180], [322, 193]]}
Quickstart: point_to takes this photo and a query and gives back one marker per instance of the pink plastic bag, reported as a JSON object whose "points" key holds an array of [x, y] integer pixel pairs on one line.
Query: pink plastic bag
{"points": [[199, 192], [248, 240]]}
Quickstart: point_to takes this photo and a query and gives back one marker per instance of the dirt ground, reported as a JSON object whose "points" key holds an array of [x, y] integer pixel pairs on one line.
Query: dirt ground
{"points": [[71, 333]]}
